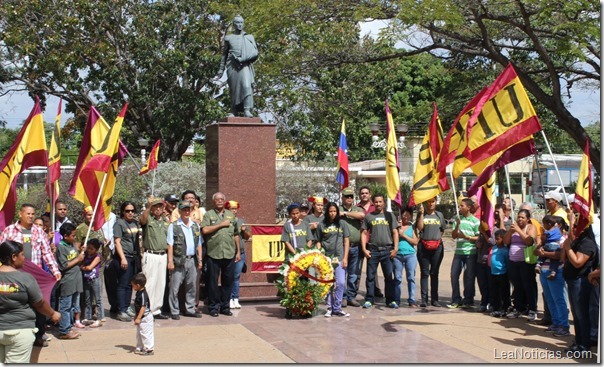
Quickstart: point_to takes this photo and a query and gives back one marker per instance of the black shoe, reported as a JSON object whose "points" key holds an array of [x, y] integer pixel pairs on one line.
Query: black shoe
{"points": [[227, 312], [194, 314], [423, 304], [39, 342], [214, 313], [161, 316], [175, 317], [436, 304]]}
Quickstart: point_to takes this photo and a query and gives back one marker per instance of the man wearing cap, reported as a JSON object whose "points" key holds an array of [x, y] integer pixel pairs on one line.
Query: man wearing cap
{"points": [[220, 232], [552, 203], [352, 215], [184, 259], [196, 212], [304, 210], [155, 258], [170, 204]]}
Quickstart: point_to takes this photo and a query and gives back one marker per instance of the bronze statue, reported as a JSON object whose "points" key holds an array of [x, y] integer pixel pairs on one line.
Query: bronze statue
{"points": [[238, 55]]}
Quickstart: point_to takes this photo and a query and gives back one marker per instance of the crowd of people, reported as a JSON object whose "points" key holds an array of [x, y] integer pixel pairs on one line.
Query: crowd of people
{"points": [[162, 253]]}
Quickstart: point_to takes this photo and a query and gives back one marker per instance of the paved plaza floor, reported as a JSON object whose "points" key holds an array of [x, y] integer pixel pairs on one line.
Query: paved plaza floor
{"points": [[259, 333]]}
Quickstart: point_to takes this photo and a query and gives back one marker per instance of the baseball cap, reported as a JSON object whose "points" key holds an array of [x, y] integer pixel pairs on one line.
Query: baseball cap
{"points": [[348, 191], [88, 209], [553, 195], [570, 198], [170, 198], [184, 204], [156, 201], [304, 206]]}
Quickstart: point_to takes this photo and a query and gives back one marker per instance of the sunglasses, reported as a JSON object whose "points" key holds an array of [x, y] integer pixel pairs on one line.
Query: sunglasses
{"points": [[129, 211], [348, 196]]}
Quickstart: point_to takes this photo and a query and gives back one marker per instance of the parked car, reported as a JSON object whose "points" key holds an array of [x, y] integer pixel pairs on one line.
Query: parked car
{"points": [[538, 195]]}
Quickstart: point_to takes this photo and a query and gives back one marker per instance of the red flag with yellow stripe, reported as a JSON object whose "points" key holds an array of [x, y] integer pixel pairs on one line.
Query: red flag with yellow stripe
{"points": [[151, 160], [28, 150], [583, 203], [54, 159]]}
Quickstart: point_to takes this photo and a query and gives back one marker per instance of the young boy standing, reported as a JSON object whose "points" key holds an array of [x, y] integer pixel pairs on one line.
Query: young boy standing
{"points": [[466, 233], [500, 283], [143, 318]]}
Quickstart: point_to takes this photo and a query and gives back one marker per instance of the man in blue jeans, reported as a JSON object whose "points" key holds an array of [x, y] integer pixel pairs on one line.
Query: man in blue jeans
{"points": [[379, 247], [352, 215], [466, 233]]}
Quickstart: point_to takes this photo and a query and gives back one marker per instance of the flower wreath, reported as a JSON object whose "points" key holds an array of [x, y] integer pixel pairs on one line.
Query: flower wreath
{"points": [[299, 265]]}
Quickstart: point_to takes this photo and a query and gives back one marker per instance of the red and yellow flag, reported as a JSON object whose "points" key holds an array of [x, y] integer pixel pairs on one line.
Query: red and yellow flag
{"points": [[268, 251], [393, 178], [29, 149], [54, 159], [105, 160], [583, 203], [501, 118], [425, 182], [151, 160]]}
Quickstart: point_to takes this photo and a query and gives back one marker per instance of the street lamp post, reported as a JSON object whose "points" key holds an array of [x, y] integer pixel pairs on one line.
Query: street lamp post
{"points": [[381, 144], [143, 143]]}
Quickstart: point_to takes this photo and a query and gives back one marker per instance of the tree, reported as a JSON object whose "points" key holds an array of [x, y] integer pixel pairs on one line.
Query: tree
{"points": [[159, 56], [554, 45]]}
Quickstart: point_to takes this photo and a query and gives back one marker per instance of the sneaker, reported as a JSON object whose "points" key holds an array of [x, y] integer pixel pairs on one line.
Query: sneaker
{"points": [[79, 325], [454, 305], [354, 303], [497, 314], [367, 304], [236, 303], [130, 311], [232, 304], [97, 323], [344, 303], [72, 334], [552, 275], [147, 352], [513, 314], [328, 313], [103, 320], [467, 306], [138, 351], [47, 338], [123, 316], [538, 269], [552, 329], [562, 332], [532, 316], [87, 322], [341, 313], [393, 305], [483, 308]]}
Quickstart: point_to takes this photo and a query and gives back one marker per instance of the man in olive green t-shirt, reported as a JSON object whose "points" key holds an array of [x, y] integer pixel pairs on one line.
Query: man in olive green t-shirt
{"points": [[221, 235], [352, 215]]}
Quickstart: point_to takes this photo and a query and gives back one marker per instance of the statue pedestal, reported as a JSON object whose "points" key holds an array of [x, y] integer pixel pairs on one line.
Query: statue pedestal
{"points": [[240, 162]]}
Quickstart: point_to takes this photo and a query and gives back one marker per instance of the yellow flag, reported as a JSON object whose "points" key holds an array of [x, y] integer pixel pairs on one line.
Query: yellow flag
{"points": [[393, 179]]}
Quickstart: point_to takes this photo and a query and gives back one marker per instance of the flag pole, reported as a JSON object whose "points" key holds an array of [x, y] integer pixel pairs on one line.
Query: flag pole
{"points": [[555, 166], [96, 206], [138, 167], [454, 193], [507, 178], [153, 184]]}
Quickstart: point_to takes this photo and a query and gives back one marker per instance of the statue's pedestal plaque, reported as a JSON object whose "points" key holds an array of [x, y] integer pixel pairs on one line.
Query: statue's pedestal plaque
{"points": [[240, 162]]}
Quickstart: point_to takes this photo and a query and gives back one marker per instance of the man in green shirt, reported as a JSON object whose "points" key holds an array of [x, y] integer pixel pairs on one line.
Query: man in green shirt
{"points": [[352, 215], [466, 233], [221, 235], [155, 258]]}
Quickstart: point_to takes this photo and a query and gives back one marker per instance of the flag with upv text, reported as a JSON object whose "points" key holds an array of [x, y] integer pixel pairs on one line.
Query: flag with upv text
{"points": [[502, 116], [268, 251], [342, 175], [425, 181]]}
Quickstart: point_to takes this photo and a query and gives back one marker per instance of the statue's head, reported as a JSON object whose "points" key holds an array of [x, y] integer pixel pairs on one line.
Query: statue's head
{"points": [[238, 22]]}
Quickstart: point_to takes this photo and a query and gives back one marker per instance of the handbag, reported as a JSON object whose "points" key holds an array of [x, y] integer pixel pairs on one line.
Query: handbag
{"points": [[431, 245], [529, 255]]}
